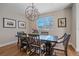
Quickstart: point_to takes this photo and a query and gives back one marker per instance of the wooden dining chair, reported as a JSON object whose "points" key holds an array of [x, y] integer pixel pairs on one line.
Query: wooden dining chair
{"points": [[19, 34], [62, 37], [34, 44], [23, 42], [42, 49], [63, 45]]}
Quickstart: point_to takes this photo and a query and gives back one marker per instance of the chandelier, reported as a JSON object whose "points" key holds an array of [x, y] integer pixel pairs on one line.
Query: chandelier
{"points": [[31, 13]]}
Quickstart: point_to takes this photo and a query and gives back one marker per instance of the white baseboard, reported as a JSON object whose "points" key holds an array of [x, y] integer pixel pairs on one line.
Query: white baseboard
{"points": [[72, 45], [77, 50], [8, 43]]}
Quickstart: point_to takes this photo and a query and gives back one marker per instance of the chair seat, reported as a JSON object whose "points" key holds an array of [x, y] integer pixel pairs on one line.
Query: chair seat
{"points": [[24, 42], [59, 46], [35, 45]]}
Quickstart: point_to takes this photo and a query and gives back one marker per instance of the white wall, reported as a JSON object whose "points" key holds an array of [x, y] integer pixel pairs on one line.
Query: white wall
{"points": [[7, 35], [77, 27], [73, 25]]}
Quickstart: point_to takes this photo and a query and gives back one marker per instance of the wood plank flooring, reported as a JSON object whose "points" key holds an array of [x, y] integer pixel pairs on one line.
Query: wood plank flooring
{"points": [[13, 50]]}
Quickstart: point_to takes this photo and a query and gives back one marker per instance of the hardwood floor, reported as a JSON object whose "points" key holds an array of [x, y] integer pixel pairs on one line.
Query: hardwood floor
{"points": [[13, 50]]}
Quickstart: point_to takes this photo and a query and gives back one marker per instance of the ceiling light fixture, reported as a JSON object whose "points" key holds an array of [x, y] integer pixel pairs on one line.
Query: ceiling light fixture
{"points": [[31, 12]]}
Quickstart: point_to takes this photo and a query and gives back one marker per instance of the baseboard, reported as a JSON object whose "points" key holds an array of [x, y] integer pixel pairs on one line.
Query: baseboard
{"points": [[8, 43], [72, 47], [77, 49]]}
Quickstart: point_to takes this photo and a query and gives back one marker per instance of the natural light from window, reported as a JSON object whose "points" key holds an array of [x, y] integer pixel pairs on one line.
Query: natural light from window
{"points": [[45, 22]]}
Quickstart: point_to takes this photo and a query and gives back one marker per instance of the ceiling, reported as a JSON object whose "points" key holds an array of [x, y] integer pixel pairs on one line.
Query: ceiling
{"points": [[42, 7]]}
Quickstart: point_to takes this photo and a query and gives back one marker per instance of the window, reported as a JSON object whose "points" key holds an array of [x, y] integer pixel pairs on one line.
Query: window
{"points": [[45, 22]]}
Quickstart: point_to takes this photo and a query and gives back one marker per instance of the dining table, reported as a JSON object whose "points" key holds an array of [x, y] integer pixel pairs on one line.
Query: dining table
{"points": [[47, 39]]}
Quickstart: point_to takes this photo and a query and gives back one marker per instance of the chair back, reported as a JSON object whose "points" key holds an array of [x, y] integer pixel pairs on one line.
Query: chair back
{"points": [[23, 38], [34, 38], [44, 33], [66, 40], [65, 34], [20, 33]]}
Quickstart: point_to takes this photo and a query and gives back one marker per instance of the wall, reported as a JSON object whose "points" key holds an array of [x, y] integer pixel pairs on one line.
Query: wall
{"points": [[77, 26], [73, 25], [7, 35]]}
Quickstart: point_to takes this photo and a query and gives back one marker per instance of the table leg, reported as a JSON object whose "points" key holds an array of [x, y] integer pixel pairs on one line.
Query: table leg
{"points": [[48, 49]]}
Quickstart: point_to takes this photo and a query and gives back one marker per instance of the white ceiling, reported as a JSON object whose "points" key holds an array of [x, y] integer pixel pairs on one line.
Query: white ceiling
{"points": [[42, 7]]}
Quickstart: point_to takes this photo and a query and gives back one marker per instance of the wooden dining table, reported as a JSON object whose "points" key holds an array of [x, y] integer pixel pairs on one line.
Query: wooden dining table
{"points": [[47, 39]]}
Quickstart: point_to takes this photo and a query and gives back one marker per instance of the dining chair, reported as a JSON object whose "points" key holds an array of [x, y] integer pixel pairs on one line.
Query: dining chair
{"points": [[42, 49], [19, 34], [34, 44], [23, 42], [63, 45], [62, 37]]}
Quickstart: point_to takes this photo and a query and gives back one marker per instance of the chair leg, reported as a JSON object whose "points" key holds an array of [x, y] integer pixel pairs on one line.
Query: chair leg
{"points": [[66, 52], [20, 48]]}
